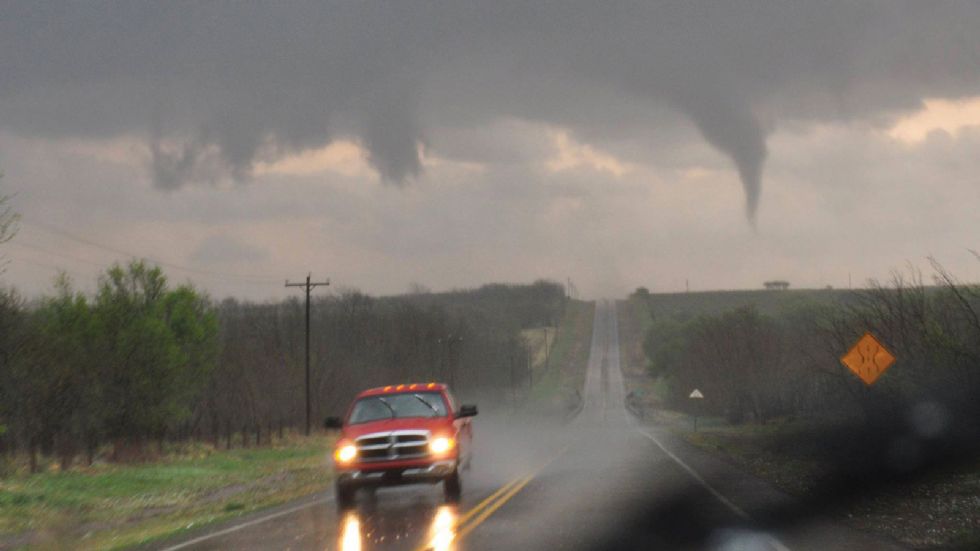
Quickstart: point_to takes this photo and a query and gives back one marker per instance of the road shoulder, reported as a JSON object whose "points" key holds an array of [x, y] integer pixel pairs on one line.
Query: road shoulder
{"points": [[761, 503]]}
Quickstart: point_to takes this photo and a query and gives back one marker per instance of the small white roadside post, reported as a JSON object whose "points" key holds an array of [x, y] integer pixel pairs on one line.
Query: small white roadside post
{"points": [[696, 395]]}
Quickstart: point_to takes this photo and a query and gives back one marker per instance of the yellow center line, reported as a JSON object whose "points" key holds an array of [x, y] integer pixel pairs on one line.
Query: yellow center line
{"points": [[476, 509], [486, 501], [464, 530], [494, 501]]}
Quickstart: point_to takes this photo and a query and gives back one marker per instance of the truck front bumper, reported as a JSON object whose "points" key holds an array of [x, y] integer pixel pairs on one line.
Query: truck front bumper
{"points": [[379, 475]]}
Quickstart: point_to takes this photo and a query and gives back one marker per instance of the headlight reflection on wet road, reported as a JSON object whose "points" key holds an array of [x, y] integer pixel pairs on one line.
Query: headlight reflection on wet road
{"points": [[441, 535], [350, 535]]}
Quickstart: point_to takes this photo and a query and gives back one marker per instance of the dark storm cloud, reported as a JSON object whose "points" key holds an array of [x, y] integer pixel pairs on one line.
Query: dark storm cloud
{"points": [[214, 87]]}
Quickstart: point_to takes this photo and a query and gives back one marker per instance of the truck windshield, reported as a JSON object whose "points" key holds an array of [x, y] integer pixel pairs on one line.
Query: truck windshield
{"points": [[398, 406]]}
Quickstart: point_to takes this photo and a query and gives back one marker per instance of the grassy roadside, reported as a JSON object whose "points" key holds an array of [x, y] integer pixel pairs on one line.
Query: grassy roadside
{"points": [[633, 316], [940, 512], [766, 451], [558, 382], [117, 506]]}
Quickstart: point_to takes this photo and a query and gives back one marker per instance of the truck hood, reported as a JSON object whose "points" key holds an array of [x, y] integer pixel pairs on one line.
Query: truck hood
{"points": [[443, 425]]}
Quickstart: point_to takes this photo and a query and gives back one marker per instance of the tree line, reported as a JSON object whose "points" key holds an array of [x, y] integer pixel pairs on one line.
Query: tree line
{"points": [[143, 361]]}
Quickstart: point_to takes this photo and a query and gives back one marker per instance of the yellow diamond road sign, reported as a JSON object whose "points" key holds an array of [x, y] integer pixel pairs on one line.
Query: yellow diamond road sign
{"points": [[868, 359]]}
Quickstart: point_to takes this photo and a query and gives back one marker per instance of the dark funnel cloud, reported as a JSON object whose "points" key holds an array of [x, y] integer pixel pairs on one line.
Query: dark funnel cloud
{"points": [[215, 87], [729, 125]]}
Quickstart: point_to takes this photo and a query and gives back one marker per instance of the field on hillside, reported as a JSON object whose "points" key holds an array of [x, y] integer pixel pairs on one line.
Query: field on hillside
{"points": [[714, 302]]}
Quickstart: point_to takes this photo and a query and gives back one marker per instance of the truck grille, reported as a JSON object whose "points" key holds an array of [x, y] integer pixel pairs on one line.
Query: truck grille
{"points": [[388, 446]]}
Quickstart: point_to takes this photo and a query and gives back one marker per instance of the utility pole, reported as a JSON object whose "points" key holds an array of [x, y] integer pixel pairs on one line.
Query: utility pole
{"points": [[530, 366], [513, 383], [547, 350], [450, 341], [309, 286]]}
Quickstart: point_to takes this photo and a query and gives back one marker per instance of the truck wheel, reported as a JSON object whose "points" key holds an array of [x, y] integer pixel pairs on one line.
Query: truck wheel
{"points": [[452, 488], [345, 495]]}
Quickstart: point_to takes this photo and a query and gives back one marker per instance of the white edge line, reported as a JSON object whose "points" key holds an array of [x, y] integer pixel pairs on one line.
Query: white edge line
{"points": [[252, 522], [735, 508]]}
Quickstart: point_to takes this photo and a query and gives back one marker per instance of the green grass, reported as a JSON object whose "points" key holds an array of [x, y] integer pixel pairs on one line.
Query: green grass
{"points": [[555, 383], [780, 452], [111, 506]]}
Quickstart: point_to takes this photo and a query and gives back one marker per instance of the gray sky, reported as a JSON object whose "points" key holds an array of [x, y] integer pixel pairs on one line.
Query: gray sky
{"points": [[456, 143]]}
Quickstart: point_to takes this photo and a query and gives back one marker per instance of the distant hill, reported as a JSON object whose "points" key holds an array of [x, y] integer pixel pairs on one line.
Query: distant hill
{"points": [[715, 302]]}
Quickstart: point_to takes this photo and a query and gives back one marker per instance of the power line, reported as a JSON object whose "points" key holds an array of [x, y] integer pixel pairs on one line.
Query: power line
{"points": [[57, 269], [36, 248], [223, 275], [45, 265]]}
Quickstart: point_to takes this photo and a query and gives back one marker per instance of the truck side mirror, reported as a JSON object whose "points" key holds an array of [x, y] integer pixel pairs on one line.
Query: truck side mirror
{"points": [[466, 411], [333, 423]]}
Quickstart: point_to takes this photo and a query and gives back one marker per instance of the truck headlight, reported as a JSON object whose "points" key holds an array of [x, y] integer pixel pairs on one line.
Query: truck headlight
{"points": [[441, 444], [345, 453]]}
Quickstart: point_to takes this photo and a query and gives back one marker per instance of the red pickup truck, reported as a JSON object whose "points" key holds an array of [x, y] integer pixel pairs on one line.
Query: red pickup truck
{"points": [[402, 434]]}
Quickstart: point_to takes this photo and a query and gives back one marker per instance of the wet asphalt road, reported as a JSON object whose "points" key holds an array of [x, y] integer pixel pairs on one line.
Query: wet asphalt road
{"points": [[601, 481]]}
